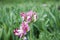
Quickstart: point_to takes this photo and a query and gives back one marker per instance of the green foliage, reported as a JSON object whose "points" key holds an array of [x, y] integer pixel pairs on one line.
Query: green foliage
{"points": [[47, 26]]}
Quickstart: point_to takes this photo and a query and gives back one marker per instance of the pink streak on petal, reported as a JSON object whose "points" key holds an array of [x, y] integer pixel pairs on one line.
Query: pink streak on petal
{"points": [[30, 13]]}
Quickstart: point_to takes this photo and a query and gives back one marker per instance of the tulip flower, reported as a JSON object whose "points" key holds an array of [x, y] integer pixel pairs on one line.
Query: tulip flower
{"points": [[24, 28], [23, 15], [29, 16], [19, 32], [35, 17]]}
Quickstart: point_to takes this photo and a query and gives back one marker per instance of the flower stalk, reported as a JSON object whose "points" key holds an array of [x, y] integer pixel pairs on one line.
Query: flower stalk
{"points": [[24, 27]]}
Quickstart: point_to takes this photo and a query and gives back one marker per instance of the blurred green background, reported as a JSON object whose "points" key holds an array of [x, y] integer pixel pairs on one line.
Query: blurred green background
{"points": [[47, 26]]}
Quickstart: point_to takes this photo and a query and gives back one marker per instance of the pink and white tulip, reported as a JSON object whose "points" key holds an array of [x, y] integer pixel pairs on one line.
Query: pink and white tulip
{"points": [[29, 16], [24, 28], [19, 32], [23, 15]]}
